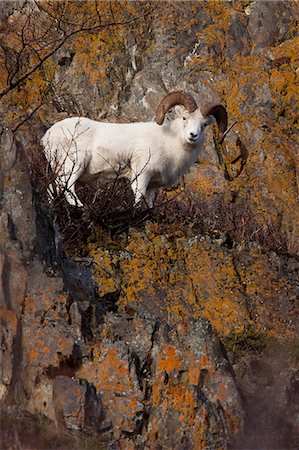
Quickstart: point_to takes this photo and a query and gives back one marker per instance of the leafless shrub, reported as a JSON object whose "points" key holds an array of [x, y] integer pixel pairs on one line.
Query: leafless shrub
{"points": [[111, 207], [235, 222]]}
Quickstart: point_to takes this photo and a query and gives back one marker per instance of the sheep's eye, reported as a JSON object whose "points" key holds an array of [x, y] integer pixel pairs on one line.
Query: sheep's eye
{"points": [[184, 118]]}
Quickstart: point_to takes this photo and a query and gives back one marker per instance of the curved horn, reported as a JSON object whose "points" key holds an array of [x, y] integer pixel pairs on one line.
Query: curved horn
{"points": [[172, 99], [220, 114]]}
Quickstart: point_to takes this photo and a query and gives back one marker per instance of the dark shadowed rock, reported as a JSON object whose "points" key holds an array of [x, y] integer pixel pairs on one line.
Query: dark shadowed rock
{"points": [[76, 403], [77, 280]]}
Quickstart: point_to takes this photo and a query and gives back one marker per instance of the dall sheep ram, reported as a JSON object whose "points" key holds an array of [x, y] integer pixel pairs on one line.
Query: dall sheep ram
{"points": [[150, 154]]}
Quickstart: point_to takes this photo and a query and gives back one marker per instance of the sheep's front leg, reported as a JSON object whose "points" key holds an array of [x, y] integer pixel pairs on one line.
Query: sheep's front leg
{"points": [[139, 187]]}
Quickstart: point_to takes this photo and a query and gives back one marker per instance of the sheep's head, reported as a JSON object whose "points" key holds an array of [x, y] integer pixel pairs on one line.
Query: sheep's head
{"points": [[194, 119]]}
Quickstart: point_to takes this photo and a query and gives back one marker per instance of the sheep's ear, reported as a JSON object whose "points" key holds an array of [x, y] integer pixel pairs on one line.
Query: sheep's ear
{"points": [[209, 121], [219, 112]]}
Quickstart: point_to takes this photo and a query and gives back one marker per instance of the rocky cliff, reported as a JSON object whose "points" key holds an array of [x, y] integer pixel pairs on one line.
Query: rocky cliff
{"points": [[173, 329]]}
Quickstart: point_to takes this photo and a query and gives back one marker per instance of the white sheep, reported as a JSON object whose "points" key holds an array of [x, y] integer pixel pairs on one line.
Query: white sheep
{"points": [[150, 154]]}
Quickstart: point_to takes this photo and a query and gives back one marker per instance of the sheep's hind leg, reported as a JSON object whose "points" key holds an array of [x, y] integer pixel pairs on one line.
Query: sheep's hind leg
{"points": [[69, 183], [150, 197], [72, 197]]}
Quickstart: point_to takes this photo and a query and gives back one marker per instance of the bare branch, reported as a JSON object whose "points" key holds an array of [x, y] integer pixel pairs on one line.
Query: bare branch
{"points": [[82, 29], [26, 117]]}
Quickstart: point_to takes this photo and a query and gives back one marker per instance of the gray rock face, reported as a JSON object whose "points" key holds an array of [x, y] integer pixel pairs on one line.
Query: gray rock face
{"points": [[269, 22], [16, 193]]}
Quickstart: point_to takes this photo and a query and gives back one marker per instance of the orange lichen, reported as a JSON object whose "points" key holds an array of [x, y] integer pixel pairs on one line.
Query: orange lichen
{"points": [[284, 81], [110, 373], [177, 394], [9, 319], [186, 278], [168, 359]]}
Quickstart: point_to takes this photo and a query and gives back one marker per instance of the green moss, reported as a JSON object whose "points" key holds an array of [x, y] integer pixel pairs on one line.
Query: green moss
{"points": [[257, 340], [248, 339], [251, 339], [113, 245]]}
